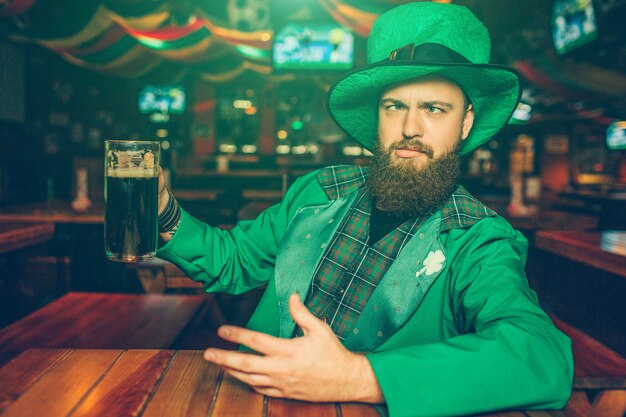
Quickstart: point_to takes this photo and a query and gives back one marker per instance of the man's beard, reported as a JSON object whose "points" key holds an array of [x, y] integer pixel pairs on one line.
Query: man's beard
{"points": [[402, 189]]}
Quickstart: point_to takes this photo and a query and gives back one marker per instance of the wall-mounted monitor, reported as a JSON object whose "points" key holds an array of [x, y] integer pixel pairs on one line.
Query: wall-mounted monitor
{"points": [[574, 24], [616, 136], [313, 46], [167, 99]]}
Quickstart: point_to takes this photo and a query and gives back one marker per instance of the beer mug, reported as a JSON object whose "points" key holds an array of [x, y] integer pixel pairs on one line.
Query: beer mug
{"points": [[131, 170]]}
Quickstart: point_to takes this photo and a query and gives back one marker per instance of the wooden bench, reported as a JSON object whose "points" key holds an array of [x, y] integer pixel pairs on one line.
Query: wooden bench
{"points": [[599, 388]]}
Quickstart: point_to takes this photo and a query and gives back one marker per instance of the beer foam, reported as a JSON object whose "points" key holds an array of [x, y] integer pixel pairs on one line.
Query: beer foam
{"points": [[134, 172]]}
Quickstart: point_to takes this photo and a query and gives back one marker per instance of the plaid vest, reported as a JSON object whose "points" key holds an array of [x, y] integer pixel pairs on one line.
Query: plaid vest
{"points": [[351, 268]]}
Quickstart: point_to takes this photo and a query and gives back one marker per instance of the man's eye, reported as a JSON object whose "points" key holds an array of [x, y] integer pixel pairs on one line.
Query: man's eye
{"points": [[434, 109], [393, 107]]}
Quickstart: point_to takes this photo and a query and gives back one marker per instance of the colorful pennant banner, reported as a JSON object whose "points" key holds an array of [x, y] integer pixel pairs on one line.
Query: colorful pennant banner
{"points": [[134, 37]]}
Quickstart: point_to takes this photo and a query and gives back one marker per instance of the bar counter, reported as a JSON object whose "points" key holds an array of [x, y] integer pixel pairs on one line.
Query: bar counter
{"points": [[602, 250]]}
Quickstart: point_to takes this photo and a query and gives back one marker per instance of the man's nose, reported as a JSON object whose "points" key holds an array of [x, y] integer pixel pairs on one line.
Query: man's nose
{"points": [[412, 125]]}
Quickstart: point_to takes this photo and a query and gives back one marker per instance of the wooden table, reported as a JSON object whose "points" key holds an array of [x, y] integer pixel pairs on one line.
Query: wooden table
{"points": [[103, 321], [78, 236], [148, 383], [168, 383], [18, 235], [603, 250]]}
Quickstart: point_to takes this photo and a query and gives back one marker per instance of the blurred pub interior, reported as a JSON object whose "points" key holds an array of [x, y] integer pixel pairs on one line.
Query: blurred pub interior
{"points": [[239, 118]]}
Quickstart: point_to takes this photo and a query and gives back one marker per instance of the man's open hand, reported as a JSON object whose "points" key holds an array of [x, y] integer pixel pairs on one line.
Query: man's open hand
{"points": [[314, 367]]}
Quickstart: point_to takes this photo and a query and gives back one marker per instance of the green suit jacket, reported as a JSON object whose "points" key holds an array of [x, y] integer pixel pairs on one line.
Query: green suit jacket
{"points": [[468, 336]]}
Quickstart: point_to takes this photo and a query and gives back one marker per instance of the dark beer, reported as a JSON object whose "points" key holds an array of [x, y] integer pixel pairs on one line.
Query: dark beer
{"points": [[130, 204]]}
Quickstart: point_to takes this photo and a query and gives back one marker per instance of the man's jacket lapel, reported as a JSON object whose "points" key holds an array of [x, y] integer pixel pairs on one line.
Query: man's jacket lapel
{"points": [[301, 250]]}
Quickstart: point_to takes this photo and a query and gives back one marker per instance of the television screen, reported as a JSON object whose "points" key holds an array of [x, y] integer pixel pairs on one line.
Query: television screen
{"points": [[616, 136], [162, 99], [573, 24], [316, 46]]}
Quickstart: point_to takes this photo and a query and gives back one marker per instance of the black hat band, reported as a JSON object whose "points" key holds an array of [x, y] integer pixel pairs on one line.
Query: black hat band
{"points": [[428, 53]]}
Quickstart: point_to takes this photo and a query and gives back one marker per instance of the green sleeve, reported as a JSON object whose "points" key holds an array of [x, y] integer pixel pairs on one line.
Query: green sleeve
{"points": [[243, 258], [508, 353]]}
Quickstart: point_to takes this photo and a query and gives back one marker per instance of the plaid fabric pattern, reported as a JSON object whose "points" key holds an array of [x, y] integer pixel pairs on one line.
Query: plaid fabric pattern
{"points": [[339, 180], [462, 210], [351, 269]]}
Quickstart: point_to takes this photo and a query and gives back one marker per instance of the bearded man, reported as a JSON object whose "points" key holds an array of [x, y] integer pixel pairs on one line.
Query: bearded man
{"points": [[390, 285]]}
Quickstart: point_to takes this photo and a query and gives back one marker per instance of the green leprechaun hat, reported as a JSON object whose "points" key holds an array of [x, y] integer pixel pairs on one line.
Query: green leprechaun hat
{"points": [[418, 39]]}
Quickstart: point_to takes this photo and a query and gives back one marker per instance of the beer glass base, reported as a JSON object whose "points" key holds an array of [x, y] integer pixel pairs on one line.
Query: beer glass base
{"points": [[129, 259]]}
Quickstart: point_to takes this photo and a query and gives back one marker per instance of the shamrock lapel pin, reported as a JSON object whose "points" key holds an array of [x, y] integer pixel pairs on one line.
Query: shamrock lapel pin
{"points": [[433, 263]]}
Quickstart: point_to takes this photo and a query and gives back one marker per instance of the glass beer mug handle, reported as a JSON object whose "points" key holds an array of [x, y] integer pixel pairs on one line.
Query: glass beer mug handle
{"points": [[130, 200]]}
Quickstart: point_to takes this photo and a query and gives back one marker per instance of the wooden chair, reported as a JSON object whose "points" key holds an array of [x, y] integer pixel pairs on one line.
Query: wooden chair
{"points": [[157, 276], [162, 277]]}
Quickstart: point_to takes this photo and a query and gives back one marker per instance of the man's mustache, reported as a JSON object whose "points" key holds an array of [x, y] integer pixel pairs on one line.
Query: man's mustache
{"points": [[414, 145]]}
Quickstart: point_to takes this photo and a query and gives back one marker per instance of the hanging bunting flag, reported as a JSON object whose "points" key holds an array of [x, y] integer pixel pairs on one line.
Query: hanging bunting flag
{"points": [[181, 43], [359, 21], [106, 39], [540, 79], [586, 76], [141, 37], [134, 63], [99, 23], [259, 39], [360, 15], [139, 14], [149, 22], [15, 7]]}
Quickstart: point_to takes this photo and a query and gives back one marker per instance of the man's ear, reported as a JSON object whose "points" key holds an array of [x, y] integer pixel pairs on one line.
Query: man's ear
{"points": [[468, 122]]}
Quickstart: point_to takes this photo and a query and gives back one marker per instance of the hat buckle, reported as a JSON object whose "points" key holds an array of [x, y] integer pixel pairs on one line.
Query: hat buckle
{"points": [[404, 53]]}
